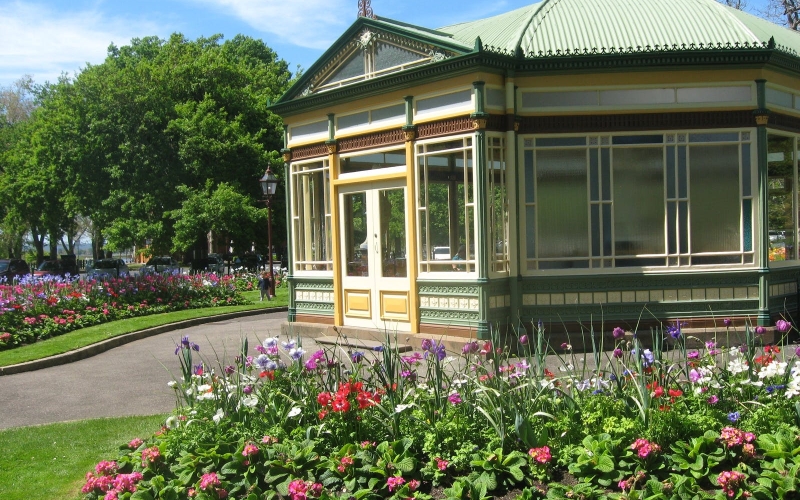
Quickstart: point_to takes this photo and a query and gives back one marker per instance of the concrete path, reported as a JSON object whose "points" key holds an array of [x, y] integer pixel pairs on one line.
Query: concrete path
{"points": [[127, 380]]}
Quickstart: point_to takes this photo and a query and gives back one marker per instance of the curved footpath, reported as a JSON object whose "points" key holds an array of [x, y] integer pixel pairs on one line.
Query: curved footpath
{"points": [[129, 379]]}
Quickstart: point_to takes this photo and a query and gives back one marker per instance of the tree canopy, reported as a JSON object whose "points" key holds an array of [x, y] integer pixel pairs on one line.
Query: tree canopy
{"points": [[132, 142]]}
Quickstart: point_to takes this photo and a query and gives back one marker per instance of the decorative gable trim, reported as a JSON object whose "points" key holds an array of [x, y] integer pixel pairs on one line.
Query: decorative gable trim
{"points": [[366, 42]]}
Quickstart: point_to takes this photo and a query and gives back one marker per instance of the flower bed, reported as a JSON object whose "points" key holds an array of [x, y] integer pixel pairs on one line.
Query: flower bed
{"points": [[40, 308], [662, 422]]}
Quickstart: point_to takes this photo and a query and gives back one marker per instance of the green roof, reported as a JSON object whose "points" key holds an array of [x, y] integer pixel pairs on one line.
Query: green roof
{"points": [[570, 26]]}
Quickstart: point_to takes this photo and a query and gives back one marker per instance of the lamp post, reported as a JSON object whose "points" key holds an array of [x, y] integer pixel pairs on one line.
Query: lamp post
{"points": [[269, 183]]}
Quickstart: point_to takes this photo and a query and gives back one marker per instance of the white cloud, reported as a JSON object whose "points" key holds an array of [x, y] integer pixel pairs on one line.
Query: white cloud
{"points": [[37, 40], [312, 24]]}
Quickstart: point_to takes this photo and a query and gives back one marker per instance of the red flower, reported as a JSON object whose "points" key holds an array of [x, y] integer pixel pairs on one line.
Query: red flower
{"points": [[675, 393], [324, 399], [341, 404]]}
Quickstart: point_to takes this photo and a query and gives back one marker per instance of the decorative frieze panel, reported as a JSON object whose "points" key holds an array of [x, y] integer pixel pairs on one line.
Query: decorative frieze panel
{"points": [[313, 306], [779, 289], [692, 295], [386, 138], [619, 284], [444, 127], [443, 302], [310, 151]]}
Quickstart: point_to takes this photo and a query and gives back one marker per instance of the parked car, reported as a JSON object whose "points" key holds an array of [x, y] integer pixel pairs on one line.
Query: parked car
{"points": [[160, 265], [213, 263], [13, 269], [107, 268], [55, 268]]}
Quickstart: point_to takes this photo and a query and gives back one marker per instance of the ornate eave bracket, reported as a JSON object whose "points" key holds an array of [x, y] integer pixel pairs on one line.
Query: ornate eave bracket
{"points": [[287, 155], [479, 121], [333, 147], [410, 132], [762, 117]]}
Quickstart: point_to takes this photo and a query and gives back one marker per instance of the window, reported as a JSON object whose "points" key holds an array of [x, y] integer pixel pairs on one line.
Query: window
{"points": [[650, 200], [781, 191], [311, 216], [372, 161], [446, 206], [497, 204]]}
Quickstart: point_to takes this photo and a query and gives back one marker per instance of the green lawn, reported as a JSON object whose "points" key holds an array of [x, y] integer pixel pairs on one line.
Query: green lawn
{"points": [[49, 462], [87, 336]]}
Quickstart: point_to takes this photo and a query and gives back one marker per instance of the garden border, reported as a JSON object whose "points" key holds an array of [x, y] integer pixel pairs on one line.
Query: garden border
{"points": [[108, 344]]}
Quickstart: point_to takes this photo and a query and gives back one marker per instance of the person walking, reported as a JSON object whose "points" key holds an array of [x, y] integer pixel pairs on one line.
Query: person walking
{"points": [[265, 285]]}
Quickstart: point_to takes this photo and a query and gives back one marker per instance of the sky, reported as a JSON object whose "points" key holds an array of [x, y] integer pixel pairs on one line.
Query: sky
{"points": [[47, 38]]}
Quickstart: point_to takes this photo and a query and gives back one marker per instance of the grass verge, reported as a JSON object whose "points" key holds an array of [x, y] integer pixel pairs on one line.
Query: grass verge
{"points": [[49, 461], [93, 334]]}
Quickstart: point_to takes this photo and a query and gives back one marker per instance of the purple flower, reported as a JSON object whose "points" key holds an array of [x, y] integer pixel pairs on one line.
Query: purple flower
{"points": [[726, 322], [618, 333], [693, 355], [523, 339], [783, 326], [198, 369], [470, 347], [247, 389], [455, 398], [378, 348], [694, 376], [733, 416], [797, 352], [617, 353], [409, 375], [229, 370], [760, 330], [357, 356], [674, 331], [713, 400], [427, 344]]}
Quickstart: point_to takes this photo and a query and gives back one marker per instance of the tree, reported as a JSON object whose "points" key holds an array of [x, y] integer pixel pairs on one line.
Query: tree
{"points": [[161, 117], [221, 210], [786, 12]]}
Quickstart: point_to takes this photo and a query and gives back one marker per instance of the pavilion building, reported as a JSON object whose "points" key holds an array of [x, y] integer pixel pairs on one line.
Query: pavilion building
{"points": [[571, 161]]}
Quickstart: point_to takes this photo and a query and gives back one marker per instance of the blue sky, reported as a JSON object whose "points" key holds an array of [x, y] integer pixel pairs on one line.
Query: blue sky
{"points": [[44, 38]]}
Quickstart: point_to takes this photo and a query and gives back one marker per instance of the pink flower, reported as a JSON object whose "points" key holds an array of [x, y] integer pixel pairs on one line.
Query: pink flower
{"points": [[395, 482], [250, 449], [455, 398], [441, 464], [298, 489], [730, 481], [209, 480], [713, 400], [127, 482], [135, 443], [5, 337], [541, 455], [783, 326], [644, 448], [106, 468], [413, 484], [150, 456]]}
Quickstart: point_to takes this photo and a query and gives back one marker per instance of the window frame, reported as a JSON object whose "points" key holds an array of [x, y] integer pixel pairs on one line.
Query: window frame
{"points": [[298, 222], [672, 261]]}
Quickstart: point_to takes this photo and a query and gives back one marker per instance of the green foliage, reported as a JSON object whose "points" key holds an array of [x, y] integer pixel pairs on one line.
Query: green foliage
{"points": [[494, 469], [598, 460], [699, 456]]}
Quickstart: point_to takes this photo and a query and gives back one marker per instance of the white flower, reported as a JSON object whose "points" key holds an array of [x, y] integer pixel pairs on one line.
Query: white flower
{"points": [[737, 365], [249, 401], [172, 384], [294, 412], [218, 416], [401, 408], [772, 370], [173, 422]]}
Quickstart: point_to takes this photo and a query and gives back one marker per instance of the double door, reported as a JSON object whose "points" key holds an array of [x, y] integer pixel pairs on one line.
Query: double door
{"points": [[375, 283]]}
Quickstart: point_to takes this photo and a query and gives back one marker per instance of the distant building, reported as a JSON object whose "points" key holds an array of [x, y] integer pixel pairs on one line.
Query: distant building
{"points": [[594, 160]]}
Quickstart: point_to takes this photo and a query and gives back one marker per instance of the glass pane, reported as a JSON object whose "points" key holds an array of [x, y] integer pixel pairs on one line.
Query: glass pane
{"points": [[311, 216], [529, 191], [639, 201], [392, 232], [672, 233], [389, 56], [560, 141], [595, 230], [637, 139], [715, 205], [563, 205], [746, 174], [530, 232], [594, 175], [747, 222], [444, 102], [354, 210], [353, 120], [670, 172], [353, 67], [390, 113], [373, 161], [780, 172], [682, 172]]}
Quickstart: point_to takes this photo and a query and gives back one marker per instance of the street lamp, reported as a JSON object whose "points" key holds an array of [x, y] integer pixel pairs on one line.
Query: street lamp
{"points": [[269, 184]]}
